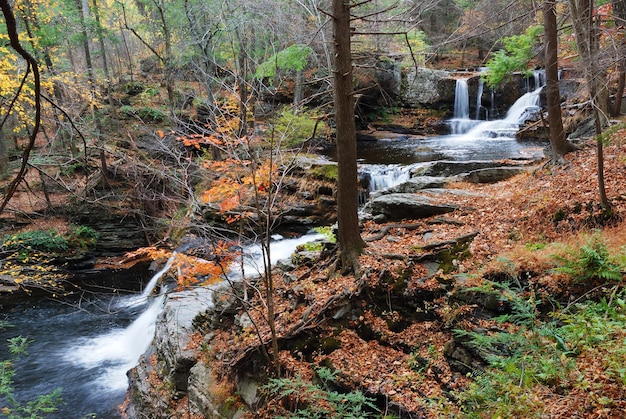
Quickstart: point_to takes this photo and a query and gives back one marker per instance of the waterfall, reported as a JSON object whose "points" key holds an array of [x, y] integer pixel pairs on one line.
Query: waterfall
{"points": [[117, 351], [110, 355], [540, 78], [279, 249], [461, 99], [381, 176], [479, 97], [461, 121], [150, 286], [521, 110]]}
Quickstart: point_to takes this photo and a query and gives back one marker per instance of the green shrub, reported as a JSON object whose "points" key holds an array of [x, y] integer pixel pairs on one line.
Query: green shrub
{"points": [[83, 236], [79, 237], [312, 401], [144, 113], [36, 240], [294, 128], [543, 353], [14, 409]]}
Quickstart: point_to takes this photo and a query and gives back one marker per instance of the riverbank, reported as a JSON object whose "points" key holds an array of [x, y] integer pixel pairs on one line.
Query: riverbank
{"points": [[394, 332]]}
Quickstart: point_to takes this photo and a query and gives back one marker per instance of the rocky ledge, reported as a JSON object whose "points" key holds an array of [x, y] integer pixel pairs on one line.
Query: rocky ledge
{"points": [[173, 375]]}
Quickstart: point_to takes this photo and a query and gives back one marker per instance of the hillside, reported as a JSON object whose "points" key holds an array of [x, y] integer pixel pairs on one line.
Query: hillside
{"points": [[521, 316]]}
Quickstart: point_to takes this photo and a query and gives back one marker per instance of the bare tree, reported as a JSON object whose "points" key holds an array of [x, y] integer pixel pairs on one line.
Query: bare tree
{"points": [[559, 144], [587, 42], [11, 26], [619, 13]]}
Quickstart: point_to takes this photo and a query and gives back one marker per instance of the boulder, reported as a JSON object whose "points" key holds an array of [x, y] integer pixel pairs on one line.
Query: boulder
{"points": [[493, 174], [454, 168], [399, 206], [169, 359], [426, 87]]}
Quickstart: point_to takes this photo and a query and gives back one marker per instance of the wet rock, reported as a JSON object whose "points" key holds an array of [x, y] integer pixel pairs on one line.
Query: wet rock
{"points": [[413, 185], [493, 174], [399, 206], [455, 168], [168, 362]]}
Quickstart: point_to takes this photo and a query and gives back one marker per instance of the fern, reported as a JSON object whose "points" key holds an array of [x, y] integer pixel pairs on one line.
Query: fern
{"points": [[592, 261], [315, 401]]}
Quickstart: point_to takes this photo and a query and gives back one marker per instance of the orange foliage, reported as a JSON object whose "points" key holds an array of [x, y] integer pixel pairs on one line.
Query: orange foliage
{"points": [[190, 270], [238, 183], [198, 140]]}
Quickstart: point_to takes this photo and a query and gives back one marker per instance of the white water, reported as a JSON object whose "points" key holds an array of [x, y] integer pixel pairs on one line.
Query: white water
{"points": [[461, 99], [468, 137], [385, 175], [117, 351], [479, 98], [461, 121], [110, 355], [279, 249], [521, 110], [150, 286]]}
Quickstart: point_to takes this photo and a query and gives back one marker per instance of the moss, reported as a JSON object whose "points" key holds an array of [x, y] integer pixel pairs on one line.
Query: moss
{"points": [[559, 215], [329, 345], [326, 172]]}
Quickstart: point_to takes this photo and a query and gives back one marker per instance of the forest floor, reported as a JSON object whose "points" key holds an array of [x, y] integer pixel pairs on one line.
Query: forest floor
{"points": [[394, 331], [424, 342]]}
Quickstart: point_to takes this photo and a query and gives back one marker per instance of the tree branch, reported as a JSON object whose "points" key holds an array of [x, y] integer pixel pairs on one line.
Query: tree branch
{"points": [[11, 26]]}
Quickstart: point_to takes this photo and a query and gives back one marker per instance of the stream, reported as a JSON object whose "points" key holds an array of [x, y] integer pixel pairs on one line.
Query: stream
{"points": [[85, 345]]}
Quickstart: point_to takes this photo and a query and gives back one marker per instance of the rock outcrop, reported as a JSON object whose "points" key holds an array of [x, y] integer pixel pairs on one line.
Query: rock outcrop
{"points": [[170, 369]]}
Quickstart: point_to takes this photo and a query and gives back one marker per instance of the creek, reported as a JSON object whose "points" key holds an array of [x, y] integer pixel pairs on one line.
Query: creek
{"points": [[85, 345], [390, 161]]}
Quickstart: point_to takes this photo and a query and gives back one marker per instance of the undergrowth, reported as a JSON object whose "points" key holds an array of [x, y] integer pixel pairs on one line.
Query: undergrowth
{"points": [[529, 357], [320, 400]]}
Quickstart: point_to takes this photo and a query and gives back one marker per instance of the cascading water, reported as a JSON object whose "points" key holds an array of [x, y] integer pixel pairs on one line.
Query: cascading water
{"points": [[461, 121], [461, 99], [381, 176], [471, 140], [521, 110], [116, 352], [85, 346], [479, 98]]}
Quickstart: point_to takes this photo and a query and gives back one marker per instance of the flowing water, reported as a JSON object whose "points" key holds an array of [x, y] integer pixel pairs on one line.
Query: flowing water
{"points": [[85, 345], [390, 161]]}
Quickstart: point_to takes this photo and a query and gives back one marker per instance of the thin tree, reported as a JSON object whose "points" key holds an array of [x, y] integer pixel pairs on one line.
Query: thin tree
{"points": [[349, 236], [11, 26], [559, 144], [619, 13], [587, 44]]}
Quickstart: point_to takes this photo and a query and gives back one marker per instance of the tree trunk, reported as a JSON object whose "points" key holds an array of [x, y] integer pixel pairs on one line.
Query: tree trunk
{"points": [[619, 12], [586, 41], [558, 142], [11, 27], [168, 58], [349, 238], [105, 63]]}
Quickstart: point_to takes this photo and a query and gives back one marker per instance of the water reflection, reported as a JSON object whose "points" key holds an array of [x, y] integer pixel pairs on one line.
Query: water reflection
{"points": [[407, 151]]}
